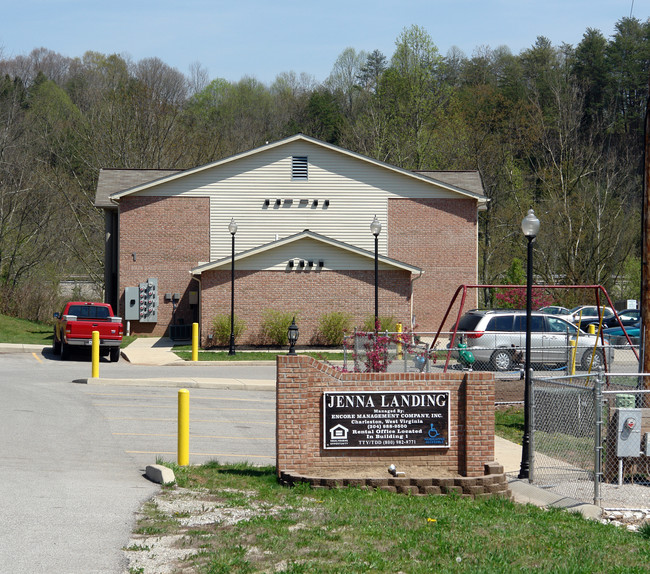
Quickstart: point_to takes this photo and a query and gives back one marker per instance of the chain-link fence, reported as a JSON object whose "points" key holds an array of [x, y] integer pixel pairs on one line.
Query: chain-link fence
{"points": [[502, 353], [387, 351], [590, 440]]}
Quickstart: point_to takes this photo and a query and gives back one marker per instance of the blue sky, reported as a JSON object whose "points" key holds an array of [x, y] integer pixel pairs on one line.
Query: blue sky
{"points": [[264, 38]]}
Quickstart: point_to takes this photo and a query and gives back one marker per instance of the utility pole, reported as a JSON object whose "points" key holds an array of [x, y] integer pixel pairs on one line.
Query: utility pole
{"points": [[645, 246]]}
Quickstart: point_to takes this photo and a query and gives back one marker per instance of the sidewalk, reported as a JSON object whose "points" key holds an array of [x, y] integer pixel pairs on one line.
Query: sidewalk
{"points": [[508, 454], [159, 352], [151, 351]]}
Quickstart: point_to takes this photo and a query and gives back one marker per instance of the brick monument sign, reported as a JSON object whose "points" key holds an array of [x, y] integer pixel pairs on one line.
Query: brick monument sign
{"points": [[434, 431]]}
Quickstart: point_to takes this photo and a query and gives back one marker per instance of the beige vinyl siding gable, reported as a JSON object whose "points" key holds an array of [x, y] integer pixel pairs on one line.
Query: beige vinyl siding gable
{"points": [[307, 249], [356, 189]]}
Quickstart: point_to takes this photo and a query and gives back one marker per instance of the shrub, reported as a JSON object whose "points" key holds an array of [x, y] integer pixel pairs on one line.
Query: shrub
{"points": [[221, 329], [515, 298], [385, 324], [332, 327], [275, 326]]}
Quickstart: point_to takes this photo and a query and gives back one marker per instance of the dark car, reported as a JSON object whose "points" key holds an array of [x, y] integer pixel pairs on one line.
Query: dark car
{"points": [[616, 336], [627, 318], [585, 315]]}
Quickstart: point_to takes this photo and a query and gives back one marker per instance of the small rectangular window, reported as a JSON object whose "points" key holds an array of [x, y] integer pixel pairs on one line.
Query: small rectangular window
{"points": [[299, 167]]}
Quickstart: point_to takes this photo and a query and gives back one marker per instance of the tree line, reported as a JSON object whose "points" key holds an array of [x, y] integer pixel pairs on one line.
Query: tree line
{"points": [[555, 128]]}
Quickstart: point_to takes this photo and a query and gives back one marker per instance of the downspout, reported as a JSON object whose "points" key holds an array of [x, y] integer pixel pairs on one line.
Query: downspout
{"points": [[412, 295]]}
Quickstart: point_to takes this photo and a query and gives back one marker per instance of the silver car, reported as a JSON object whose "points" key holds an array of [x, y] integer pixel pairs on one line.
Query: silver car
{"points": [[498, 338]]}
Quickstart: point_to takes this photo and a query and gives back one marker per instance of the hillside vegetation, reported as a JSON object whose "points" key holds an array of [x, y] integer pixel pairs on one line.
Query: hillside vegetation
{"points": [[21, 331], [556, 128]]}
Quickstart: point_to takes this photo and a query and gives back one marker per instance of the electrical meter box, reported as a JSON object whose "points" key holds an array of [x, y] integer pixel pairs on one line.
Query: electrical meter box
{"points": [[132, 303], [148, 301], [628, 435]]}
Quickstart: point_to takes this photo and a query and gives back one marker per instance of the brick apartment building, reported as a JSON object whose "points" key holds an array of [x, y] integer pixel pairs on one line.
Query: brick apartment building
{"points": [[303, 244]]}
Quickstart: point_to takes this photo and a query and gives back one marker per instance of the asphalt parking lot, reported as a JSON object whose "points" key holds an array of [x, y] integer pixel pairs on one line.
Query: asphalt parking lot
{"points": [[225, 425]]}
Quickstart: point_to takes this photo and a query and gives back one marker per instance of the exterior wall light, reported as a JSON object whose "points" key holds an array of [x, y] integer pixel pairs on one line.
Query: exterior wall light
{"points": [[293, 336]]}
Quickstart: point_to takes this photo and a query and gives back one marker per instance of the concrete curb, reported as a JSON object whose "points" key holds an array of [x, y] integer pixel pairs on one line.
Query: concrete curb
{"points": [[525, 493], [22, 348], [226, 384], [160, 474]]}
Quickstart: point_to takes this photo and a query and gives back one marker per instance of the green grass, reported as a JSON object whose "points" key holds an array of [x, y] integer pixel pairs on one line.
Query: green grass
{"points": [[509, 423], [358, 531], [21, 331]]}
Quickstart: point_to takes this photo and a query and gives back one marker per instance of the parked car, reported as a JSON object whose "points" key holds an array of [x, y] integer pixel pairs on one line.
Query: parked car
{"points": [[627, 318], [74, 326], [616, 336], [498, 338], [585, 315], [558, 311]]}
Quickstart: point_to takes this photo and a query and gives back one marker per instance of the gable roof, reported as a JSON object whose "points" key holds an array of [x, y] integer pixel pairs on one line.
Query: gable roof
{"points": [[469, 180], [226, 261], [474, 187], [114, 180]]}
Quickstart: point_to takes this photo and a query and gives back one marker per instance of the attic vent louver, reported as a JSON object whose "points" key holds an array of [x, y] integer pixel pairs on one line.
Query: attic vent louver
{"points": [[299, 167]]}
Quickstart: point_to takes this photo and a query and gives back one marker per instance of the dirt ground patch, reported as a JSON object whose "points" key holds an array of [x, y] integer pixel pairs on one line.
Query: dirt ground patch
{"points": [[509, 391]]}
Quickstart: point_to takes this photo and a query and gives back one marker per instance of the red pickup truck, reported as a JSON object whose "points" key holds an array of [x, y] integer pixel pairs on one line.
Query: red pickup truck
{"points": [[75, 324]]}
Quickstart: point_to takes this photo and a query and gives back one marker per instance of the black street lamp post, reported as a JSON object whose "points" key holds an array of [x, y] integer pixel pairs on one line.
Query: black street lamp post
{"points": [[293, 337], [375, 227], [232, 227], [530, 227]]}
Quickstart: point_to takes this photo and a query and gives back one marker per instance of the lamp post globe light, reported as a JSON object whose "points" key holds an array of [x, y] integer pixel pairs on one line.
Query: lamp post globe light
{"points": [[293, 337], [232, 227], [375, 228], [530, 228]]}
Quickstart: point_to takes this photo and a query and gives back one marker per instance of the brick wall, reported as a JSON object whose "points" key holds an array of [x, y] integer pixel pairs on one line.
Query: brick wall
{"points": [[308, 295], [169, 236], [438, 235], [302, 380]]}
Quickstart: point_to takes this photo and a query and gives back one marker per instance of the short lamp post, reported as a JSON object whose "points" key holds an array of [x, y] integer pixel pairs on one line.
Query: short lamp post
{"points": [[530, 227], [232, 227], [293, 337], [375, 227]]}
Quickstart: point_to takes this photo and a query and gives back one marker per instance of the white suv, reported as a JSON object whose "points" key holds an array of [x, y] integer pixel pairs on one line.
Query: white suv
{"points": [[498, 338]]}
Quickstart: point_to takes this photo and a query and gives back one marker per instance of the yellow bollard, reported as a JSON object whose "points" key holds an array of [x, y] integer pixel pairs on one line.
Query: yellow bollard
{"points": [[574, 348], [195, 341], [399, 340], [183, 427], [95, 355], [591, 329]]}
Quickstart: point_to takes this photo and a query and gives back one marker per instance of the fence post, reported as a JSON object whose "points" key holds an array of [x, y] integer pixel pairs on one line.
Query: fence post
{"points": [[574, 350], [399, 340], [356, 351], [598, 440], [531, 417]]}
